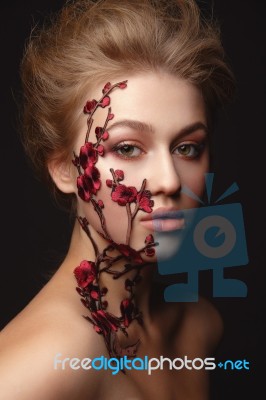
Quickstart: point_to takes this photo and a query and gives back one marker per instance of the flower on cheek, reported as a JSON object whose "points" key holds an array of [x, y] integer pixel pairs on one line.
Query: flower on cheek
{"points": [[84, 189], [88, 155], [144, 201], [88, 273], [109, 183], [100, 203], [119, 174], [100, 150], [105, 135], [124, 194], [92, 175], [88, 183]]}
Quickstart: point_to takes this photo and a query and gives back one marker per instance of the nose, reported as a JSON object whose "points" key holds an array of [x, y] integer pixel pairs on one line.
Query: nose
{"points": [[164, 177]]}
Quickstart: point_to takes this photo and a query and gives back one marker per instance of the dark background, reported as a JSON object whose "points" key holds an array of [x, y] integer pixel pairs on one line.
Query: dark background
{"points": [[35, 232]]}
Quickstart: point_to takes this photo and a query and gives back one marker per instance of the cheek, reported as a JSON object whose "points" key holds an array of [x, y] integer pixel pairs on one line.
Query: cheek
{"points": [[115, 215], [196, 182], [193, 177]]}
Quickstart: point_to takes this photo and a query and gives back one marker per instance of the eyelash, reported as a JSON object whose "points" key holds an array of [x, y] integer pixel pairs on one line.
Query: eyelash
{"points": [[198, 148], [123, 145]]}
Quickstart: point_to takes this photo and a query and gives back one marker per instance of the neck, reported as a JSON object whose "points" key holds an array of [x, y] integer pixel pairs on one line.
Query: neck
{"points": [[124, 284]]}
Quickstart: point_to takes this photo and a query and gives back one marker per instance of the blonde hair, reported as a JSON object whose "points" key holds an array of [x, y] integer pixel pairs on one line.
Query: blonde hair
{"points": [[96, 41]]}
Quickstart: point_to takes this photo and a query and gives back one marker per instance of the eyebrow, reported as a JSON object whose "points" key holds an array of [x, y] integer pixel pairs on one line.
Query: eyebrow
{"points": [[196, 126], [133, 124], [144, 127]]}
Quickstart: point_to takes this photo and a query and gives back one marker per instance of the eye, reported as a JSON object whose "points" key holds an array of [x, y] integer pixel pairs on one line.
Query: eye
{"points": [[126, 150], [189, 150]]}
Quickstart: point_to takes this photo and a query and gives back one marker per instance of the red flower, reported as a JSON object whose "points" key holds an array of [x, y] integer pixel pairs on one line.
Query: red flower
{"points": [[104, 322], [84, 190], [98, 131], [101, 134], [149, 251], [100, 150], [149, 239], [109, 183], [129, 253], [93, 174], [124, 194], [122, 85], [105, 102], [144, 201], [100, 203], [88, 155], [94, 294], [89, 106], [127, 310], [107, 87], [105, 135], [85, 273], [88, 183], [110, 116], [119, 174]]}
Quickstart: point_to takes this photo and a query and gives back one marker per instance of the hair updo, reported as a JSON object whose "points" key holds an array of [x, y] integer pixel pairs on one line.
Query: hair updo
{"points": [[92, 42]]}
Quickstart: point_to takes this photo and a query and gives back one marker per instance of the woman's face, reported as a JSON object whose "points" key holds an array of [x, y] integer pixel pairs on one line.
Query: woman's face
{"points": [[158, 133]]}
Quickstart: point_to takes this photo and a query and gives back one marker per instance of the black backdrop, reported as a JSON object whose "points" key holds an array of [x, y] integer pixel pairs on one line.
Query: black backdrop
{"points": [[35, 232]]}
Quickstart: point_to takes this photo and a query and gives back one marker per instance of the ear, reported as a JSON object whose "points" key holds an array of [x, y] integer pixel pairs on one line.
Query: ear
{"points": [[62, 173]]}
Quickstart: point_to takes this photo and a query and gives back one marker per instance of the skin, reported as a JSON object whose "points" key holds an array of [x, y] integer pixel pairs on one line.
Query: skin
{"points": [[155, 147], [52, 322]]}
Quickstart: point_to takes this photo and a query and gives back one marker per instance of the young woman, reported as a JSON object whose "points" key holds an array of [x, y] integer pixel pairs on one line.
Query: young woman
{"points": [[119, 97]]}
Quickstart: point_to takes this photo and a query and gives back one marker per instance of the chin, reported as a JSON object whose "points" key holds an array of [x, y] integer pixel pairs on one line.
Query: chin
{"points": [[169, 244]]}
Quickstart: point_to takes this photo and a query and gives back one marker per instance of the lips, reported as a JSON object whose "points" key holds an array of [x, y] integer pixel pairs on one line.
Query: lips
{"points": [[164, 220]]}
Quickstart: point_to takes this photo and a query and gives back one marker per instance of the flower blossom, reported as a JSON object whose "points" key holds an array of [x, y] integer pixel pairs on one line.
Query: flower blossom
{"points": [[88, 183], [104, 322], [124, 194], [129, 253], [127, 310], [144, 201], [88, 155], [85, 273]]}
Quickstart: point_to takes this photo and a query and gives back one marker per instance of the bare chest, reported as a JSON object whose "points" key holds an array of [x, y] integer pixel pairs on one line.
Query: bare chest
{"points": [[160, 370], [154, 374], [159, 384]]}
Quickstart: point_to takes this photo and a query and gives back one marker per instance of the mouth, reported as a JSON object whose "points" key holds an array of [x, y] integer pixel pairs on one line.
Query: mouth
{"points": [[164, 220]]}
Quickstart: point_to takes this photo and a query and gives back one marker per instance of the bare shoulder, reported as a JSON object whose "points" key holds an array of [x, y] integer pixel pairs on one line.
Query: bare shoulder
{"points": [[46, 355], [204, 322]]}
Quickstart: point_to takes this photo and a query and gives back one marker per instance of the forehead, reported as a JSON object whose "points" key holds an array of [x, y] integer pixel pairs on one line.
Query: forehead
{"points": [[158, 99]]}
